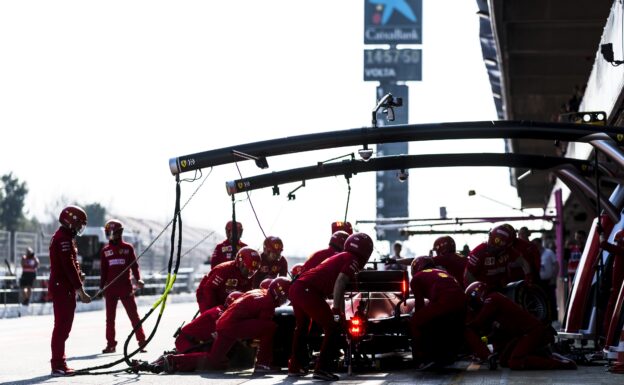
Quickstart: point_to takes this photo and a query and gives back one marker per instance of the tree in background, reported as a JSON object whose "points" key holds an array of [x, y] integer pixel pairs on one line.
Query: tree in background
{"points": [[96, 214], [12, 196]]}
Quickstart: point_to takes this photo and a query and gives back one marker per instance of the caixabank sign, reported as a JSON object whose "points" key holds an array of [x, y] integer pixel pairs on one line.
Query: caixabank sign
{"points": [[393, 22]]}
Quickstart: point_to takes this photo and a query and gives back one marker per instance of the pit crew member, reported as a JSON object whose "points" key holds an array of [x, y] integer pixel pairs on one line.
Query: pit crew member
{"points": [[227, 277], [117, 259]]}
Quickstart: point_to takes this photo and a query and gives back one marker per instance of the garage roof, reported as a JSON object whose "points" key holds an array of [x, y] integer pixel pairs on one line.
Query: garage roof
{"points": [[538, 53]]}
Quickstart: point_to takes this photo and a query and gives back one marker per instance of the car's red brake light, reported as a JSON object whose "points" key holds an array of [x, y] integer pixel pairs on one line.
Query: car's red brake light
{"points": [[357, 327]]}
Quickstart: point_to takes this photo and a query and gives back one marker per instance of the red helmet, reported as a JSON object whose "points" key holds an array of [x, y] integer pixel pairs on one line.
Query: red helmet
{"points": [[444, 245], [113, 228], [476, 293], [296, 270], [501, 237], [265, 283], [74, 218], [344, 226], [273, 244], [619, 236], [230, 225], [511, 229], [359, 244], [248, 261], [272, 248], [421, 263], [338, 239], [279, 289], [233, 296]]}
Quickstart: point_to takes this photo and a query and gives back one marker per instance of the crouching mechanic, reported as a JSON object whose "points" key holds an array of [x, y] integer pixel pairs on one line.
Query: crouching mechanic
{"points": [[198, 334], [446, 256], [520, 339], [117, 259], [249, 317], [273, 264], [308, 296], [227, 277], [436, 326]]}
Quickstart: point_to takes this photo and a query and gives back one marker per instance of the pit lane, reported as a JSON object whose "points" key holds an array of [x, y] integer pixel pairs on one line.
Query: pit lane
{"points": [[26, 354]]}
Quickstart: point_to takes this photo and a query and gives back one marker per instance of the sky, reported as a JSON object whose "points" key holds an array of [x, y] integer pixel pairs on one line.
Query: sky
{"points": [[96, 97]]}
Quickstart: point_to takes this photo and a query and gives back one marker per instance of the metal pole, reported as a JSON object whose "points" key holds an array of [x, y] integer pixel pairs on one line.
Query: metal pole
{"points": [[559, 231], [397, 162], [392, 134]]}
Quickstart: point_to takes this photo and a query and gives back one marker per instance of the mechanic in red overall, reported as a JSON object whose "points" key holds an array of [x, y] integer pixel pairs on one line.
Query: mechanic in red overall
{"points": [[198, 334], [336, 245], [436, 326], [527, 253], [308, 295], [264, 285], [617, 275], [249, 317], [342, 226], [117, 259], [65, 281], [489, 262], [273, 264], [228, 277], [526, 337], [447, 258], [223, 251], [296, 270]]}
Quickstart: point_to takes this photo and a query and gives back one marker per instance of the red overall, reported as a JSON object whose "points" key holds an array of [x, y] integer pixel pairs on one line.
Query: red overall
{"points": [[525, 252], [199, 331], [487, 267], [249, 317], [271, 270], [525, 332], [315, 259], [441, 321], [454, 263], [64, 281], [114, 258], [308, 297], [223, 252], [218, 283], [617, 278]]}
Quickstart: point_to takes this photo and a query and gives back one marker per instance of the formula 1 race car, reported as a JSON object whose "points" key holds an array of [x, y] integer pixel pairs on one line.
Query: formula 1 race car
{"points": [[378, 309]]}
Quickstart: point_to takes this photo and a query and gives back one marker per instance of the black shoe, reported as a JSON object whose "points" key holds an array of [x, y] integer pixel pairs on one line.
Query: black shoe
{"points": [[162, 364], [422, 366], [108, 349], [63, 371], [300, 372], [325, 376], [492, 361], [264, 369]]}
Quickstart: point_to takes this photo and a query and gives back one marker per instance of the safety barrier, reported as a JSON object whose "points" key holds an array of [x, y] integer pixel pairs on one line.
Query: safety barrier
{"points": [[186, 282]]}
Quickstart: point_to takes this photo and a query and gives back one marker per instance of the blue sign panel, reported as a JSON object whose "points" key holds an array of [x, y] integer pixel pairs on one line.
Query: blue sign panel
{"points": [[392, 21], [388, 65]]}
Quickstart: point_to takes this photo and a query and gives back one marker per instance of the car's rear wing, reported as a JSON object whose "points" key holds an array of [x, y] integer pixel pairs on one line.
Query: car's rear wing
{"points": [[369, 281]]}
